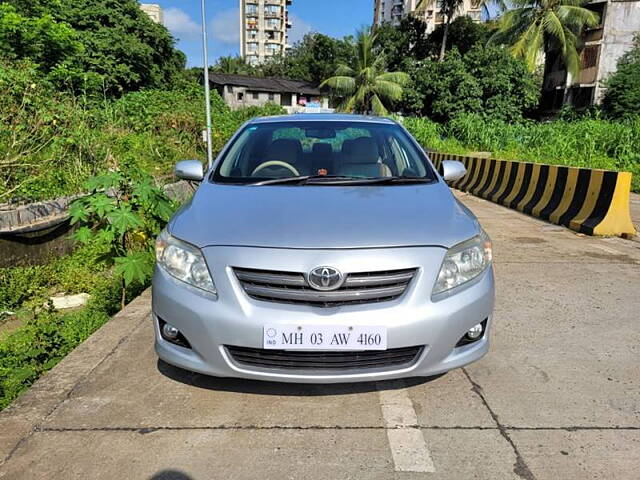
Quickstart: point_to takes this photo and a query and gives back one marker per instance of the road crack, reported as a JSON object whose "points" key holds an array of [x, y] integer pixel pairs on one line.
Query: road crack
{"points": [[520, 467]]}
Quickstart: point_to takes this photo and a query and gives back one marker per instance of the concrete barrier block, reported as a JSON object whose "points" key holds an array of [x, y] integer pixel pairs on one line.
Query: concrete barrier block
{"points": [[590, 201]]}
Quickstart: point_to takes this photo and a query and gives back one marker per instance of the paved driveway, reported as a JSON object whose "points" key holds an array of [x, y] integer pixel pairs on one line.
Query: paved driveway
{"points": [[558, 396]]}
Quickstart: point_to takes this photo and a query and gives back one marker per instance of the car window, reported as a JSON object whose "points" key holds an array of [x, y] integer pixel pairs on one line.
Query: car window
{"points": [[291, 149]]}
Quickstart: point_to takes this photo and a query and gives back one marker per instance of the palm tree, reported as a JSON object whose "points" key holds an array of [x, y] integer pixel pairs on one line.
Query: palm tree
{"points": [[533, 27], [364, 86], [448, 9]]}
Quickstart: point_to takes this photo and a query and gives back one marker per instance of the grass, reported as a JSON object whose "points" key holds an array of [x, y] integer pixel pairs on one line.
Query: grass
{"points": [[589, 142], [45, 335]]}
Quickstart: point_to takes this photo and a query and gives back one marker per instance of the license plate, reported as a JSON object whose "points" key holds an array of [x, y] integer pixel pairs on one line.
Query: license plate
{"points": [[324, 337]]}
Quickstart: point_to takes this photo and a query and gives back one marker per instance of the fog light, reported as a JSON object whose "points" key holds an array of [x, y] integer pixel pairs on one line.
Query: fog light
{"points": [[475, 332], [170, 332]]}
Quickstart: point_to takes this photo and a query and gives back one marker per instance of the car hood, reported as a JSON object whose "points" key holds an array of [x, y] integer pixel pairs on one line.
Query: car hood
{"points": [[324, 216]]}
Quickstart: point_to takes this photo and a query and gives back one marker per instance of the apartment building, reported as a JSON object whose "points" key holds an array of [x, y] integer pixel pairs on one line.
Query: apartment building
{"points": [[602, 46], [263, 29], [392, 11], [154, 11]]}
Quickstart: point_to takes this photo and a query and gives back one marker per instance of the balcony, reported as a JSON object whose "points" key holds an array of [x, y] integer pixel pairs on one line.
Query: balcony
{"points": [[272, 26], [589, 58]]}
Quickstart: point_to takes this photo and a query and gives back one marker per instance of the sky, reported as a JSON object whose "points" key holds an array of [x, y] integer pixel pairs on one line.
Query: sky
{"points": [[336, 18]]}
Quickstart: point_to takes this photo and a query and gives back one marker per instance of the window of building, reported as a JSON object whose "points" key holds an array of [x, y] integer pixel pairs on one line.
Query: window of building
{"points": [[272, 97], [273, 24], [285, 99], [240, 96], [230, 88], [255, 95]]}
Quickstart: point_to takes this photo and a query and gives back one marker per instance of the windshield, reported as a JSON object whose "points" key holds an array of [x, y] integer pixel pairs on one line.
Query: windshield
{"points": [[338, 152]]}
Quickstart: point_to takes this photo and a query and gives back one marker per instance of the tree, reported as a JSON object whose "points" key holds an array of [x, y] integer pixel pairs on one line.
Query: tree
{"points": [[41, 39], [463, 34], [486, 81], [233, 65], [121, 48], [407, 41], [622, 97], [448, 9], [532, 27], [312, 59], [365, 86]]}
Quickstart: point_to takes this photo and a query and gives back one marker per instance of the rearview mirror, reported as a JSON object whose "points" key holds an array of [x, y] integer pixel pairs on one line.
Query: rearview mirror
{"points": [[189, 170], [452, 170]]}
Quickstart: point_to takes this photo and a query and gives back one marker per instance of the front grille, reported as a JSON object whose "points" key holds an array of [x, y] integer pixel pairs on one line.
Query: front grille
{"points": [[298, 360], [292, 287]]}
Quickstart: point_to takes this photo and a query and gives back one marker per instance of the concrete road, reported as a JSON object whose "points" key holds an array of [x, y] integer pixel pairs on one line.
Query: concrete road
{"points": [[558, 396]]}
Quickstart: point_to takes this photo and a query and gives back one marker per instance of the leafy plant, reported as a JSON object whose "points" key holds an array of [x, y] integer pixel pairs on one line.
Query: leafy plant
{"points": [[622, 96], [124, 212], [364, 86], [486, 81], [535, 27]]}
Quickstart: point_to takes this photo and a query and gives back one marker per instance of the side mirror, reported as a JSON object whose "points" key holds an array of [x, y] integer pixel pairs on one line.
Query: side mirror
{"points": [[189, 170], [452, 170]]}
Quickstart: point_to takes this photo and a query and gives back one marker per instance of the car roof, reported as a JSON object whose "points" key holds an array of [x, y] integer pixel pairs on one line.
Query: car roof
{"points": [[322, 117]]}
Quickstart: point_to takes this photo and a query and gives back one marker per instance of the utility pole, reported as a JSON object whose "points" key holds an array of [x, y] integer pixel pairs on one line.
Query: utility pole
{"points": [[207, 93]]}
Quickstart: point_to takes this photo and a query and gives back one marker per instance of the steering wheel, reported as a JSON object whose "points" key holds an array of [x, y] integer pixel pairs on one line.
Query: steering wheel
{"points": [[275, 163]]}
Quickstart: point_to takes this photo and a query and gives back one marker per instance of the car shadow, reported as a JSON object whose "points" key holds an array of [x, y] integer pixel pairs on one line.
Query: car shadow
{"points": [[260, 387], [171, 475]]}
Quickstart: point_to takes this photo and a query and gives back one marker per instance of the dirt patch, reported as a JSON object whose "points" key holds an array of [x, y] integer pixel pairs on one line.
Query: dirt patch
{"points": [[618, 258], [8, 325], [529, 240]]}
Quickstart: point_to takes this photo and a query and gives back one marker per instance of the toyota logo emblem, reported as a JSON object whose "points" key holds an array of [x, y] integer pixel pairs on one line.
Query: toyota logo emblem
{"points": [[325, 278]]}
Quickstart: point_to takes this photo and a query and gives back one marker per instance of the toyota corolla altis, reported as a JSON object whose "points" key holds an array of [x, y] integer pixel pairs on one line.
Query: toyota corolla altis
{"points": [[322, 248]]}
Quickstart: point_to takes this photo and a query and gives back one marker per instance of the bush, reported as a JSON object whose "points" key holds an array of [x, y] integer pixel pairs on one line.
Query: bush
{"points": [[50, 142], [622, 97], [485, 81]]}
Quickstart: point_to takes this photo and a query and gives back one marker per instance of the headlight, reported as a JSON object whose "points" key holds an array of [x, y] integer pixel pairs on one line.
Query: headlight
{"points": [[464, 262], [184, 262]]}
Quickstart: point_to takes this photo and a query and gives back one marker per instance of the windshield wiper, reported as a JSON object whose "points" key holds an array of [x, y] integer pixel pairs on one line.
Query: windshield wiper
{"points": [[340, 180], [302, 179], [377, 180]]}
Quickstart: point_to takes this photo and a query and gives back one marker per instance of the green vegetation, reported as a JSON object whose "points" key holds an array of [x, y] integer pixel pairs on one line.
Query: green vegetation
{"points": [[45, 335], [486, 81], [448, 8], [588, 142], [126, 222], [533, 27], [51, 142], [90, 46], [622, 97], [364, 86]]}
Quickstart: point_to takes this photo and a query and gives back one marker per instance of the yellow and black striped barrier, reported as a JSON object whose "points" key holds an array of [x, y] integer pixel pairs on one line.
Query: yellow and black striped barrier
{"points": [[590, 201]]}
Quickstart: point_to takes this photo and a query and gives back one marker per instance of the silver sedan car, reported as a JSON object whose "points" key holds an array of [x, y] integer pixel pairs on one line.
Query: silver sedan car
{"points": [[322, 248]]}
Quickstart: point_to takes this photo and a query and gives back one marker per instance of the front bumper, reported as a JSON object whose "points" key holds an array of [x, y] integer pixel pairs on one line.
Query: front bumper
{"points": [[234, 319]]}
